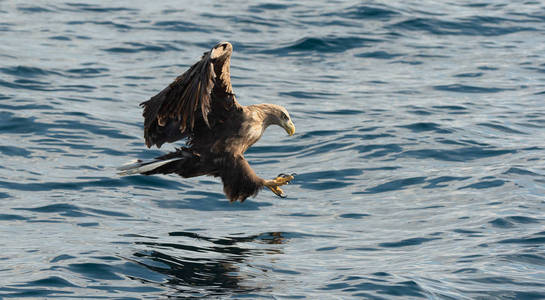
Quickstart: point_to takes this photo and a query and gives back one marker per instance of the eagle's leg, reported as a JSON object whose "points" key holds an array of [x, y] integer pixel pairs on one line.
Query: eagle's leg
{"points": [[274, 185]]}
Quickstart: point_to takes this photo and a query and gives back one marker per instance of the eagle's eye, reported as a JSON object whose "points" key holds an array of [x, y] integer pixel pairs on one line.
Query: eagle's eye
{"points": [[284, 117]]}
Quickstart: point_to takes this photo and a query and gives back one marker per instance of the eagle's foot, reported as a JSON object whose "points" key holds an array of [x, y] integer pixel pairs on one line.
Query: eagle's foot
{"points": [[274, 185]]}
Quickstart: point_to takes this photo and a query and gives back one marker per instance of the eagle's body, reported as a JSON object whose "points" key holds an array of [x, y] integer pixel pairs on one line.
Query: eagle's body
{"points": [[201, 107]]}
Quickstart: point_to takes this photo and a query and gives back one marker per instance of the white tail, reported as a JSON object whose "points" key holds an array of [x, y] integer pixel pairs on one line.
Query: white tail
{"points": [[140, 167]]}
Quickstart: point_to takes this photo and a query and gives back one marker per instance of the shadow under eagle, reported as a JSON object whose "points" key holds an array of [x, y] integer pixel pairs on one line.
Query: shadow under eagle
{"points": [[200, 106]]}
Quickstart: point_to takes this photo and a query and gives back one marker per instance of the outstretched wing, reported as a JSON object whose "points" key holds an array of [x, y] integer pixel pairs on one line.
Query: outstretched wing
{"points": [[186, 103]]}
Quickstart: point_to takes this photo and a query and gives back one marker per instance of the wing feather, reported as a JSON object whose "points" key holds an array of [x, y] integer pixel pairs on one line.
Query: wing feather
{"points": [[181, 104]]}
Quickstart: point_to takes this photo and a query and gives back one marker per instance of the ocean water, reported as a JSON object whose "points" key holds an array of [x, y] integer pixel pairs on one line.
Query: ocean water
{"points": [[419, 151]]}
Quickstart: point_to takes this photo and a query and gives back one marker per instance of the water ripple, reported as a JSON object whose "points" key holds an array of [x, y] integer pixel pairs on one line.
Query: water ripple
{"points": [[379, 284], [407, 242], [462, 88], [394, 185], [363, 11], [181, 26], [138, 47], [116, 25], [84, 7], [459, 154], [327, 44], [421, 127], [473, 26]]}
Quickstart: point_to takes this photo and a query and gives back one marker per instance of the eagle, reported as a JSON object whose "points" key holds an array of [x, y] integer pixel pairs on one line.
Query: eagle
{"points": [[201, 107]]}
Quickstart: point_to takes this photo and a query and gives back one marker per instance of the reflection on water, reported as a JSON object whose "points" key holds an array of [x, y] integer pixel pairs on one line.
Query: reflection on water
{"points": [[211, 269]]}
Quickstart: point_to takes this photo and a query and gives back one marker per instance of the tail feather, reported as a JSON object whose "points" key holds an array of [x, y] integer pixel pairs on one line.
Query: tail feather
{"points": [[182, 162], [141, 167]]}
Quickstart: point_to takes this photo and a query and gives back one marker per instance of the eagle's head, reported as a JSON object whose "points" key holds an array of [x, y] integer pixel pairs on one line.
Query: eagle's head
{"points": [[278, 115]]}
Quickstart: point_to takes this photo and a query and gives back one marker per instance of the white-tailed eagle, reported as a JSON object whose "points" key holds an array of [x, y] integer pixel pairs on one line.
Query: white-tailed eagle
{"points": [[200, 106]]}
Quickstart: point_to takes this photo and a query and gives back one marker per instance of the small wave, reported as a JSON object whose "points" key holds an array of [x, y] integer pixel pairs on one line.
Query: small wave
{"points": [[407, 242], [141, 181], [14, 151], [353, 216], [52, 281], [62, 209], [10, 124], [439, 181], [343, 112], [326, 180], [474, 26], [61, 257], [462, 88], [401, 184], [511, 221], [60, 38], [460, 154], [95, 271], [119, 26], [501, 128], [365, 12], [378, 150], [501, 223], [26, 71], [394, 185], [11, 217], [259, 8], [322, 147], [26, 85], [83, 7], [521, 171], [34, 85], [34, 9], [378, 55], [532, 239], [484, 184], [317, 133], [469, 75], [138, 47], [328, 44], [450, 107], [88, 71], [536, 259], [425, 126], [32, 292], [181, 26], [308, 95], [377, 286]]}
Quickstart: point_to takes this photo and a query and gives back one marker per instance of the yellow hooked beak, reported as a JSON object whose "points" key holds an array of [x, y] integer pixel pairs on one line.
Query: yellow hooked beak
{"points": [[289, 127]]}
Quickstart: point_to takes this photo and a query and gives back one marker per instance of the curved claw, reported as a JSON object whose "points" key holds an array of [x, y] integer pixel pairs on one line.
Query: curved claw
{"points": [[281, 179], [278, 191], [285, 175]]}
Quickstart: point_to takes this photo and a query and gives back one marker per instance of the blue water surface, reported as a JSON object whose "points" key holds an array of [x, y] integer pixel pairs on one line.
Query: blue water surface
{"points": [[419, 151]]}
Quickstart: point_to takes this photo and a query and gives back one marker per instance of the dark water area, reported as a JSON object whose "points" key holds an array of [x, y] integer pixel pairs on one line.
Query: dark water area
{"points": [[419, 151]]}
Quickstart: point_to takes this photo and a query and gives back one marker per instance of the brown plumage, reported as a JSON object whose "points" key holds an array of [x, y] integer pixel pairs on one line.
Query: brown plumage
{"points": [[201, 107]]}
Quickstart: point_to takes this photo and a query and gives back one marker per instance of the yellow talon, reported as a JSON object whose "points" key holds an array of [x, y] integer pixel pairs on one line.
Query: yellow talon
{"points": [[278, 191], [274, 184]]}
